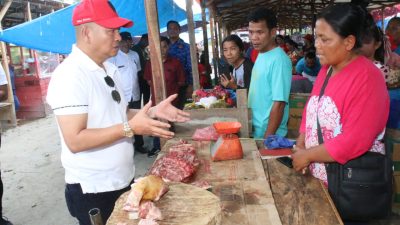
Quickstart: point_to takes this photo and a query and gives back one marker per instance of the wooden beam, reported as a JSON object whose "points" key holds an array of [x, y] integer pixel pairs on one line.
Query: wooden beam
{"points": [[213, 43], [5, 9], [205, 37], [157, 67], [383, 19], [193, 47], [10, 96], [28, 11]]}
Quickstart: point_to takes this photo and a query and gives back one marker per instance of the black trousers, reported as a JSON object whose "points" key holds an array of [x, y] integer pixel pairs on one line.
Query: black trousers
{"points": [[79, 204], [1, 197], [144, 90], [182, 97], [138, 138], [1, 191]]}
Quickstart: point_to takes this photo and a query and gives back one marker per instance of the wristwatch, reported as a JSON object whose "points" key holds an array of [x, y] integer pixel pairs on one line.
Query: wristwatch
{"points": [[128, 132]]}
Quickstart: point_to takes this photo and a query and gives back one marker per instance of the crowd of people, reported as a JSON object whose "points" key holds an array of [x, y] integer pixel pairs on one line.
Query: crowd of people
{"points": [[103, 97], [105, 68]]}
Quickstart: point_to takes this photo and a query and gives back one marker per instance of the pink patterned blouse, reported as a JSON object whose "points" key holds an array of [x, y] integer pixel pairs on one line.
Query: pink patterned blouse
{"points": [[352, 113]]}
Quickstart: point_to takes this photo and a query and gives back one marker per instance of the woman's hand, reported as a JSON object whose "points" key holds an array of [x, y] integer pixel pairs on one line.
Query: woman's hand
{"points": [[228, 83], [224, 80], [166, 111], [300, 142], [300, 159]]}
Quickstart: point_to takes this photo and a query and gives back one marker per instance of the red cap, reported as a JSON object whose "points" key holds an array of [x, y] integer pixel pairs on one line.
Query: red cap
{"points": [[99, 11]]}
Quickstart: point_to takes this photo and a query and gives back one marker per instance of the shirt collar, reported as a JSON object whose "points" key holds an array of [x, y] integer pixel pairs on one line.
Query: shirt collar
{"points": [[85, 61]]}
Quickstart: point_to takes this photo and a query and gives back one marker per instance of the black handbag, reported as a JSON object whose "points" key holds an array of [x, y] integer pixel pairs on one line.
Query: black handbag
{"points": [[362, 188]]}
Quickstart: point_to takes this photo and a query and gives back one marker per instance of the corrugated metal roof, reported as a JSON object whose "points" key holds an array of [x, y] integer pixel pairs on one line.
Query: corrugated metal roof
{"points": [[16, 14], [290, 13]]}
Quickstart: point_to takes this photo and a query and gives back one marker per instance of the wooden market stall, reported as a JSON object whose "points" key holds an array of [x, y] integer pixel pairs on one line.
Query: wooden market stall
{"points": [[32, 69], [249, 190]]}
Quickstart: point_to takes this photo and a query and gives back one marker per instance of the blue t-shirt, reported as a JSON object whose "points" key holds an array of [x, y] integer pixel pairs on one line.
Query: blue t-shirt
{"points": [[397, 50], [181, 51], [270, 81], [312, 71]]}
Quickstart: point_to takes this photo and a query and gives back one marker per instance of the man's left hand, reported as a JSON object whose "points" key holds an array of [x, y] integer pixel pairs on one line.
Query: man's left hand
{"points": [[166, 111]]}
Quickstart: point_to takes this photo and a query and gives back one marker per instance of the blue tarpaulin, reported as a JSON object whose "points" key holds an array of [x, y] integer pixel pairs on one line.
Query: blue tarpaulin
{"points": [[55, 33]]}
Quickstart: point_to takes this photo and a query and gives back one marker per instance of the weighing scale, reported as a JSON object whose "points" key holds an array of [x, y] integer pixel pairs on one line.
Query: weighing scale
{"points": [[228, 145]]}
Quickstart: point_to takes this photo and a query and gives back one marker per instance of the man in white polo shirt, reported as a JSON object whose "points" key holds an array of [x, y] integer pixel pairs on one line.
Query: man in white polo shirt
{"points": [[3, 96], [95, 126]]}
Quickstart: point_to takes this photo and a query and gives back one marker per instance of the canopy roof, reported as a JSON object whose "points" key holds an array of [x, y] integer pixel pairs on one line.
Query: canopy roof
{"points": [[55, 33], [290, 13]]}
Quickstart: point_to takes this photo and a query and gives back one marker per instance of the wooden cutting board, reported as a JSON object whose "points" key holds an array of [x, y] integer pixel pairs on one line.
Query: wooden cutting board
{"points": [[182, 204]]}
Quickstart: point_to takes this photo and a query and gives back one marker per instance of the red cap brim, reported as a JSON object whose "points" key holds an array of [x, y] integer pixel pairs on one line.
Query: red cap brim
{"points": [[115, 22]]}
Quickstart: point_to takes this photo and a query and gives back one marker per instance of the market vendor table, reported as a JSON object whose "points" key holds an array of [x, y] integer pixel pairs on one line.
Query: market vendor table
{"points": [[300, 199], [261, 192]]}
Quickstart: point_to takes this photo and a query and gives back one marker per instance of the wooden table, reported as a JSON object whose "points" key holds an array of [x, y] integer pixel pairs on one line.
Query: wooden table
{"points": [[298, 199], [262, 192], [241, 185]]}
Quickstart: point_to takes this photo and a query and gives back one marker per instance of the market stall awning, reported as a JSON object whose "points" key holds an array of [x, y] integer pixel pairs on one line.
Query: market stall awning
{"points": [[290, 13], [54, 32]]}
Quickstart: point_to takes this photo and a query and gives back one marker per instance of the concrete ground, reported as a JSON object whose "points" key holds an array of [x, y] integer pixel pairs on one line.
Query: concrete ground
{"points": [[33, 176]]}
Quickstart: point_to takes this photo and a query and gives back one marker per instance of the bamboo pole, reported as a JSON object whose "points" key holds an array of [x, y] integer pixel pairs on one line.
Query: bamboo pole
{"points": [[218, 37], [5, 9], [193, 47], [213, 44], [205, 35], [383, 18], [157, 67], [10, 96]]}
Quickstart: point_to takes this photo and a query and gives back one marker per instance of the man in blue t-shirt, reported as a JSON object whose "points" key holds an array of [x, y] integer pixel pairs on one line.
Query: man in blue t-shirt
{"points": [[270, 79], [308, 66], [181, 50]]}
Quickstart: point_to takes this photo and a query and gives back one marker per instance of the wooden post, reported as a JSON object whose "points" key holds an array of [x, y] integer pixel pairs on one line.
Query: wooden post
{"points": [[10, 99], [213, 44], [193, 47], [157, 67], [5, 9], [219, 37], [383, 18], [205, 36]]}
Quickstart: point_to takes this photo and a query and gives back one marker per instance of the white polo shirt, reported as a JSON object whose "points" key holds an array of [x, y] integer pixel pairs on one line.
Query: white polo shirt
{"points": [[3, 78], [136, 87], [77, 86], [128, 71]]}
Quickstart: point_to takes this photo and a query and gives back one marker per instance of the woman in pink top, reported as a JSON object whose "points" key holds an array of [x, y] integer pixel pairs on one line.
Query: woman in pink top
{"points": [[354, 107]]}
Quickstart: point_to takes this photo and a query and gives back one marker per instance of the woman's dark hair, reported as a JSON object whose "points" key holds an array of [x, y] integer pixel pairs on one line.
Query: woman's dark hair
{"points": [[374, 33], [203, 58], [165, 39], [291, 42], [310, 55], [346, 19], [236, 39], [261, 14]]}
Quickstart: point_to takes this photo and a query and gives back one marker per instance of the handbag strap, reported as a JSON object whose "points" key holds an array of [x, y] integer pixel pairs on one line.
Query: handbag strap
{"points": [[321, 93]]}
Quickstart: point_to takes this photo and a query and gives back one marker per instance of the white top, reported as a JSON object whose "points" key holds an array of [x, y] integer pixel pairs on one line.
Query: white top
{"points": [[3, 77], [238, 74], [136, 87], [135, 56], [77, 86], [128, 71]]}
